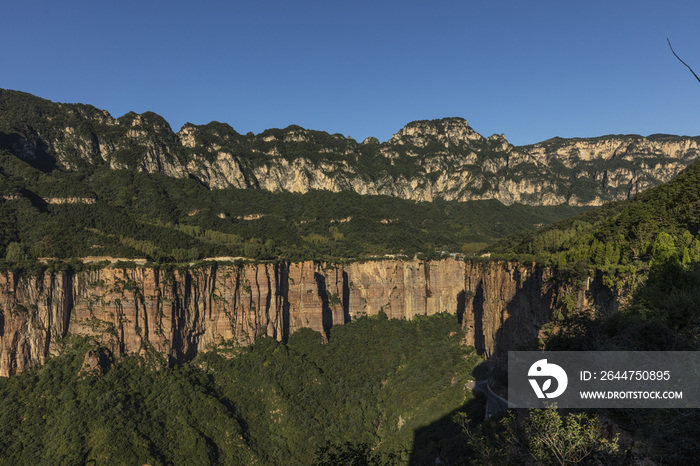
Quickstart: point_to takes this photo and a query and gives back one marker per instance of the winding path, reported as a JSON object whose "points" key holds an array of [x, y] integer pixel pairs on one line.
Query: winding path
{"points": [[494, 403]]}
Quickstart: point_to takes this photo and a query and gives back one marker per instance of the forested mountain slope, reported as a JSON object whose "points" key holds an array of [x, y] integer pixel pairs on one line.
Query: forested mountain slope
{"points": [[127, 214], [363, 393], [622, 237], [77, 182], [425, 160]]}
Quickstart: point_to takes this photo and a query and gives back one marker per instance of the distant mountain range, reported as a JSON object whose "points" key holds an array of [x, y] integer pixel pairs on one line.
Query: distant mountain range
{"points": [[424, 161]]}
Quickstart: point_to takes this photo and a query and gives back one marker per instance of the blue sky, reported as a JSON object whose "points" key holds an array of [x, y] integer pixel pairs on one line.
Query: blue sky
{"points": [[529, 69]]}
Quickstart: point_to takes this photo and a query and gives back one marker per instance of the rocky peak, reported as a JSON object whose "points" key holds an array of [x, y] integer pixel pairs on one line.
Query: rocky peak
{"points": [[628, 147], [147, 122], [296, 133], [211, 136], [500, 141], [186, 135], [425, 159], [88, 112], [447, 130]]}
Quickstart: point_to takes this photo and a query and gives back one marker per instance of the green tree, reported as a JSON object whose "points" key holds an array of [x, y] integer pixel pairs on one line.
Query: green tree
{"points": [[694, 250], [664, 248], [16, 252], [545, 437], [252, 248]]}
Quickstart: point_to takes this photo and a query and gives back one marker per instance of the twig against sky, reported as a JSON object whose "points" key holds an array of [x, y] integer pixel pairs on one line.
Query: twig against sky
{"points": [[679, 59]]}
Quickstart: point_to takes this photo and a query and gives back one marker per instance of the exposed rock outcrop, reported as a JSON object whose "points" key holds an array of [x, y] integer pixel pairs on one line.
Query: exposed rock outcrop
{"points": [[178, 313], [424, 161]]}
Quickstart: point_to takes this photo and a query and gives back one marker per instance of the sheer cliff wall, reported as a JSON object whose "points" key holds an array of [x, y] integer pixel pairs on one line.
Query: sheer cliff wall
{"points": [[500, 305]]}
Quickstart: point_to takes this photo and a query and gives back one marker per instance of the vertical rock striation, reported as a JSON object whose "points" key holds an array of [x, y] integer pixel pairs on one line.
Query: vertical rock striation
{"points": [[178, 313]]}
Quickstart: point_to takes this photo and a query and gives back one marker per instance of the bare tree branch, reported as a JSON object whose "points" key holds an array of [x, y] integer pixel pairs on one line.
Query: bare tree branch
{"points": [[679, 59]]}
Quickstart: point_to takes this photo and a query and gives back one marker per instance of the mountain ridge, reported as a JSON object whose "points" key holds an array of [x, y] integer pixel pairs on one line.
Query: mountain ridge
{"points": [[425, 160]]}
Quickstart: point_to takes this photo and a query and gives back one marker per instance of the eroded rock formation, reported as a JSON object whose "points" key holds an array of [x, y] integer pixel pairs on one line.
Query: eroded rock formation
{"points": [[423, 161], [178, 313]]}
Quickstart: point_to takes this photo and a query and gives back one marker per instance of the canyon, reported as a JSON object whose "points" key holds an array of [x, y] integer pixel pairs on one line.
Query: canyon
{"points": [[178, 313], [52, 153]]}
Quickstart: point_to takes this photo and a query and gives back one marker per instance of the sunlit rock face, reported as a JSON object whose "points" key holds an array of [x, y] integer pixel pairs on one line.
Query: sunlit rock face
{"points": [[423, 161], [501, 306]]}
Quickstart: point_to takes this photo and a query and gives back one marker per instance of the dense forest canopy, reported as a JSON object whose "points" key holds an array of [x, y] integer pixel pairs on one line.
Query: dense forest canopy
{"points": [[365, 392], [620, 238], [122, 213], [131, 187], [380, 391], [647, 251]]}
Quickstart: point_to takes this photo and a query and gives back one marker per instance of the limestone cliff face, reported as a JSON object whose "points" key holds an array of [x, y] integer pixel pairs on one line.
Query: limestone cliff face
{"points": [[178, 313], [423, 161]]}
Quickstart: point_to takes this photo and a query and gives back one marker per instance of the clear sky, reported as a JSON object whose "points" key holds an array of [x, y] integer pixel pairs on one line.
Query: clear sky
{"points": [[529, 69]]}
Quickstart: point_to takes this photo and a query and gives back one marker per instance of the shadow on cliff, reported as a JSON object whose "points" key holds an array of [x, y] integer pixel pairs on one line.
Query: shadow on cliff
{"points": [[478, 313], [346, 297], [30, 149], [185, 339], [326, 313], [522, 318], [282, 296], [443, 441]]}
